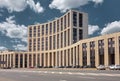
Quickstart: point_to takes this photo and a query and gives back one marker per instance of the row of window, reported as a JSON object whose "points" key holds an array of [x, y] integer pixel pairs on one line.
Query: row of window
{"points": [[56, 25], [54, 41]]}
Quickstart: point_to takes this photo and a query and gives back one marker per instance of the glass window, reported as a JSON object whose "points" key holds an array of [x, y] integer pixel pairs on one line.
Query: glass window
{"points": [[61, 24], [54, 30], [74, 18], [80, 20], [42, 29], [80, 34], [46, 29], [74, 35], [68, 19], [65, 22], [57, 25], [50, 28]]}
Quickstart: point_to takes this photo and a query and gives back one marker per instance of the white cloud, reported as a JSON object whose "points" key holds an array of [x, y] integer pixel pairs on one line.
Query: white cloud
{"points": [[64, 5], [98, 1], [111, 28], [13, 30], [2, 48], [20, 47], [36, 7], [20, 5], [92, 29]]}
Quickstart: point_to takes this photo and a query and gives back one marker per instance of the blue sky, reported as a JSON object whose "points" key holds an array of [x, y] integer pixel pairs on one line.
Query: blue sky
{"points": [[16, 15]]}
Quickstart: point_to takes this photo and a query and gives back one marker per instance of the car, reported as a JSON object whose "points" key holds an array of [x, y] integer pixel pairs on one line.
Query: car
{"points": [[114, 67], [40, 66], [6, 67], [117, 67], [101, 67], [111, 67]]}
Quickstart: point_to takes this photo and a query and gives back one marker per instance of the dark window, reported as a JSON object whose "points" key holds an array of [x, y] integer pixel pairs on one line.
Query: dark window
{"points": [[57, 25], [54, 41], [65, 21], [80, 20], [74, 18], [42, 44], [42, 29], [68, 37], [54, 30], [50, 28], [30, 32], [61, 40], [61, 24], [57, 40], [80, 34], [38, 31], [46, 29], [74, 35], [68, 19], [34, 31], [50, 42]]}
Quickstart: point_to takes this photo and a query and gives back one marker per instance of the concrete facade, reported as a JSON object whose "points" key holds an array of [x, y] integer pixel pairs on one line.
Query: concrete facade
{"points": [[64, 42]]}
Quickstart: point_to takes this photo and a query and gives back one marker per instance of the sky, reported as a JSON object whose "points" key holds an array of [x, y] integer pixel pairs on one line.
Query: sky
{"points": [[16, 15]]}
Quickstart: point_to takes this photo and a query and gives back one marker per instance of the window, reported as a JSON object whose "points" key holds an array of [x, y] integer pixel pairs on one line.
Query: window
{"points": [[74, 35], [50, 42], [42, 29], [34, 31], [50, 28], [38, 31], [46, 43], [42, 43], [30, 32], [65, 22], [80, 34], [57, 40], [46, 29], [80, 20], [57, 25], [34, 44], [68, 19], [54, 42], [54, 30], [61, 39], [65, 38], [38, 44], [68, 37], [74, 18], [61, 24]]}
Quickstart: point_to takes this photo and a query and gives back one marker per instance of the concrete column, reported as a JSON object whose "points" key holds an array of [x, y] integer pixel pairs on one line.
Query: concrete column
{"points": [[88, 53], [44, 59], [40, 59], [80, 55], [56, 59], [77, 55], [48, 59], [36, 63], [117, 54], [28, 60], [23, 60], [67, 57], [32, 59], [14, 60], [59, 58], [18, 60], [70, 58], [10, 60], [96, 54], [106, 59]]}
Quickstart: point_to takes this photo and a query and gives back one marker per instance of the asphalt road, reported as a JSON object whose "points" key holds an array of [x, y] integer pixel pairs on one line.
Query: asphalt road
{"points": [[58, 75]]}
